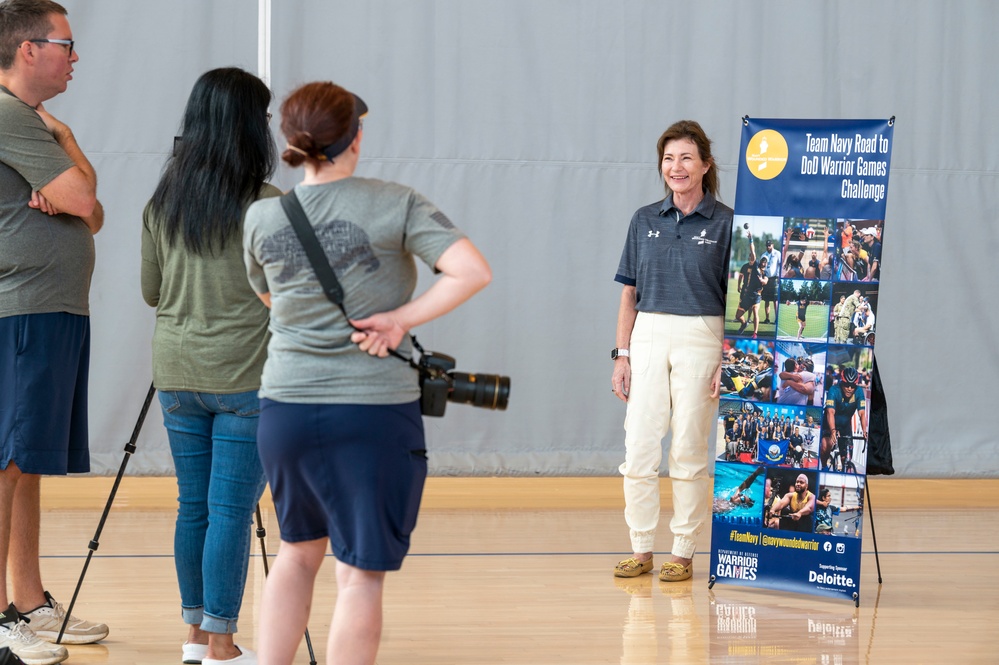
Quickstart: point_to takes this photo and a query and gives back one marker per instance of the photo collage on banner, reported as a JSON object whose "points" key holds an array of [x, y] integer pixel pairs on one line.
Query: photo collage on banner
{"points": [[798, 352]]}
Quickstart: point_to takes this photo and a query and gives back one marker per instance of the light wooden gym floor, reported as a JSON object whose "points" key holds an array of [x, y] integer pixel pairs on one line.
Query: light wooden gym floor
{"points": [[511, 570]]}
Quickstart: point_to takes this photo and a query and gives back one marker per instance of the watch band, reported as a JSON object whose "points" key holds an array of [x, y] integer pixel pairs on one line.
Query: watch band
{"points": [[619, 353]]}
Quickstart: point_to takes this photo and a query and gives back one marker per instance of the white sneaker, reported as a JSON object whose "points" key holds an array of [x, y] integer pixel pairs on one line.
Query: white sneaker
{"points": [[245, 657], [20, 639], [46, 622], [193, 653]]}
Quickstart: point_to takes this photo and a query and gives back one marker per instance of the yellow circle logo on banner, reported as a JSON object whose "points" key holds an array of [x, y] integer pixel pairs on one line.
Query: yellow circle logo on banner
{"points": [[766, 154]]}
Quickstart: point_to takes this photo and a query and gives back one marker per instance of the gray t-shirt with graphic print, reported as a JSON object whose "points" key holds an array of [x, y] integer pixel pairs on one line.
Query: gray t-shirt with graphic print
{"points": [[370, 231]]}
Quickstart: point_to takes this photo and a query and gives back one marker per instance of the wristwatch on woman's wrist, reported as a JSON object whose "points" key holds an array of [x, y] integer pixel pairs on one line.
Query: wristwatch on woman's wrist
{"points": [[619, 353]]}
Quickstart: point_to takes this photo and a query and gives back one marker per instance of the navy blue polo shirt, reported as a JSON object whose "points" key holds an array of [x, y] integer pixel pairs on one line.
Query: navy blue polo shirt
{"points": [[678, 264]]}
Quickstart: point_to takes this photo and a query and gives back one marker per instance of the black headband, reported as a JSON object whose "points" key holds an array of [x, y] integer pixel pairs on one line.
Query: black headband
{"points": [[334, 149]]}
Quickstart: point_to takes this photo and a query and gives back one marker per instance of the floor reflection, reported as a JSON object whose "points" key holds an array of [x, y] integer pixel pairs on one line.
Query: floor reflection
{"points": [[687, 623], [680, 628], [748, 626]]}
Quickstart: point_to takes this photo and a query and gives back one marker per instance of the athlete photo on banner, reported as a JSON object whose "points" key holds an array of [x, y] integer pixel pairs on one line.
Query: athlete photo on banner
{"points": [[798, 352], [800, 373], [804, 310], [853, 316], [754, 276], [747, 369]]}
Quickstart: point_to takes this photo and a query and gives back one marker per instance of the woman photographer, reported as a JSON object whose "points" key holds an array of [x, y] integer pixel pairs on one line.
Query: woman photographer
{"points": [[209, 346], [341, 435]]}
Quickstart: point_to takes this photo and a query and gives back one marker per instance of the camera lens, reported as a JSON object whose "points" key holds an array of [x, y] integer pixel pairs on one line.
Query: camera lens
{"points": [[490, 391]]}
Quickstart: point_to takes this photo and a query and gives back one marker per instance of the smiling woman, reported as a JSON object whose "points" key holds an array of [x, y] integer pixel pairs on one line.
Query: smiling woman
{"points": [[664, 326]]}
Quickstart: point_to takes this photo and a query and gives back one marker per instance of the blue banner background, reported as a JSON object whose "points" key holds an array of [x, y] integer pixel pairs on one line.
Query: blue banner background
{"points": [[808, 186], [827, 147]]}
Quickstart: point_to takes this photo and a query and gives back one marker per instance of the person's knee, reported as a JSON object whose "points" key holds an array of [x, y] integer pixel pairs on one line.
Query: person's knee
{"points": [[352, 576], [307, 555]]}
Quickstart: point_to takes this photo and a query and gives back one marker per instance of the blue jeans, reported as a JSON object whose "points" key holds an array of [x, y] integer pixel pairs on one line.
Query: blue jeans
{"points": [[213, 439]]}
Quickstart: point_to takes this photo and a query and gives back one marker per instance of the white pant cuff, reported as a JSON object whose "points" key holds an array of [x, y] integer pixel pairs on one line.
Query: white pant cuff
{"points": [[683, 548]]}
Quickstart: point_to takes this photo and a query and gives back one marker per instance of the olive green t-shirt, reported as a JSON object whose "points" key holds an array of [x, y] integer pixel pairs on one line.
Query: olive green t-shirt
{"points": [[211, 328]]}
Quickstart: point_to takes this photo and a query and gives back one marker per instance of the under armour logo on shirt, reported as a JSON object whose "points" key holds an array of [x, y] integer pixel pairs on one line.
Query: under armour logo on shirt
{"points": [[653, 234]]}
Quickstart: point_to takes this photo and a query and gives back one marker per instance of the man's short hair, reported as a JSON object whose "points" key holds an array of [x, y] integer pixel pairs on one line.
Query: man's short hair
{"points": [[22, 20]]}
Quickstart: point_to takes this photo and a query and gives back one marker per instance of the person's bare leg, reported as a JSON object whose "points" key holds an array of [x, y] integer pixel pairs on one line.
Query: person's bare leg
{"points": [[8, 484], [287, 600], [197, 636], [356, 630], [222, 647], [26, 587]]}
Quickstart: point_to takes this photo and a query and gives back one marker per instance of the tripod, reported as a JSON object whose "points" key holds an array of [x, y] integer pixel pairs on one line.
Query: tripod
{"points": [[95, 542]]}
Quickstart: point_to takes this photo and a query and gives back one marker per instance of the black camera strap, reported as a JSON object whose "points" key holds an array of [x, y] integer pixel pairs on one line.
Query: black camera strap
{"points": [[321, 265]]}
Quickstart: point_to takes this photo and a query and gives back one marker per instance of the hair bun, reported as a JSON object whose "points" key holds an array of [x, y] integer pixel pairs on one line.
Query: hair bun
{"points": [[301, 146]]}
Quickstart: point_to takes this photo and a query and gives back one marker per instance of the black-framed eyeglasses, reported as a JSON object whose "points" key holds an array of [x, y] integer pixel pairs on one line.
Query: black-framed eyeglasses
{"points": [[62, 42]]}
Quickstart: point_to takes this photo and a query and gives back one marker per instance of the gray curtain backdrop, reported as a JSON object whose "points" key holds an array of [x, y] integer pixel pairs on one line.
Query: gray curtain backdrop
{"points": [[532, 124]]}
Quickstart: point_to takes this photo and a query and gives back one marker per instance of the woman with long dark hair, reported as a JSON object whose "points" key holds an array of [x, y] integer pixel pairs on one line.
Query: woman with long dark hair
{"points": [[209, 346], [341, 437]]}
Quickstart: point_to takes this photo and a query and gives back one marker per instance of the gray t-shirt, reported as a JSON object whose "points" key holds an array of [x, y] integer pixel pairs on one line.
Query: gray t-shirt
{"points": [[46, 262], [370, 230]]}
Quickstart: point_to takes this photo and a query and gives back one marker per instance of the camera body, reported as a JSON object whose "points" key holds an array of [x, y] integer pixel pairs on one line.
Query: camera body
{"points": [[439, 384], [435, 382]]}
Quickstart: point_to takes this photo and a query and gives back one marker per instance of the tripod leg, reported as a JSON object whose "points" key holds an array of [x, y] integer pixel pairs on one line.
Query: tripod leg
{"points": [[95, 543], [874, 537], [262, 534]]}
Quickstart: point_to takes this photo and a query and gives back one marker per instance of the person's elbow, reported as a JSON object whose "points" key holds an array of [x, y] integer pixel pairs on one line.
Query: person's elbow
{"points": [[480, 275], [84, 205], [72, 192]]}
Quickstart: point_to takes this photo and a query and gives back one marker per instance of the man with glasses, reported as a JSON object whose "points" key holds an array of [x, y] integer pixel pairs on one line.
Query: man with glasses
{"points": [[48, 215]]}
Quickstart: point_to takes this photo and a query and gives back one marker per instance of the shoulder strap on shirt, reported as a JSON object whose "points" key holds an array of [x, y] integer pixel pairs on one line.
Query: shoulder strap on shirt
{"points": [[317, 257], [321, 263]]}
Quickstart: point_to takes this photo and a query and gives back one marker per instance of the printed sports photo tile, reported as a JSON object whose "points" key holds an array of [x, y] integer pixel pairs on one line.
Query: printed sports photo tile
{"points": [[754, 275], [804, 310]]}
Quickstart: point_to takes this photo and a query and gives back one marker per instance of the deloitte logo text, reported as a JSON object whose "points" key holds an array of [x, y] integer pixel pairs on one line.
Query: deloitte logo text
{"points": [[834, 579], [766, 154]]}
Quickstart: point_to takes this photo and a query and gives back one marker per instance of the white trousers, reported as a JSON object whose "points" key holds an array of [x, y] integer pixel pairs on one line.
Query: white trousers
{"points": [[673, 360]]}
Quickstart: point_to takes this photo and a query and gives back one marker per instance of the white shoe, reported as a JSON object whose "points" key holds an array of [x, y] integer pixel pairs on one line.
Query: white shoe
{"points": [[193, 653], [27, 646], [46, 622], [246, 657]]}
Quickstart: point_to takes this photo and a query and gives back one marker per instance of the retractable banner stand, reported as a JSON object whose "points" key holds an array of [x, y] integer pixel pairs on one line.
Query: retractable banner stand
{"points": [[798, 353]]}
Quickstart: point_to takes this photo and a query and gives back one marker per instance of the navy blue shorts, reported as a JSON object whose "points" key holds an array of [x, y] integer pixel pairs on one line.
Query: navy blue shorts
{"points": [[748, 299], [44, 371], [352, 473]]}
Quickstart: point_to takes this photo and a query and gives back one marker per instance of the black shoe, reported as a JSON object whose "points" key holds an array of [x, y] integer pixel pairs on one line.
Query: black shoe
{"points": [[7, 657]]}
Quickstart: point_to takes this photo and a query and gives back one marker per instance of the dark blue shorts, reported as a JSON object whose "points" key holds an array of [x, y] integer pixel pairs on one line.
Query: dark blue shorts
{"points": [[748, 299], [352, 473], [44, 371]]}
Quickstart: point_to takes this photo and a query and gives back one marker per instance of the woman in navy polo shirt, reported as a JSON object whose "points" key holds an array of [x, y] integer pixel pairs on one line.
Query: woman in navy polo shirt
{"points": [[667, 364]]}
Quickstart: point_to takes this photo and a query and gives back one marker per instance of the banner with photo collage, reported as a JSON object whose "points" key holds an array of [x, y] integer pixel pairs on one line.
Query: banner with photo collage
{"points": [[800, 329]]}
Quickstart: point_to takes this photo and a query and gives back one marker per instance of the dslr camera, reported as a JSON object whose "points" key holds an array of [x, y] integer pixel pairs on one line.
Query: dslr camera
{"points": [[440, 384]]}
